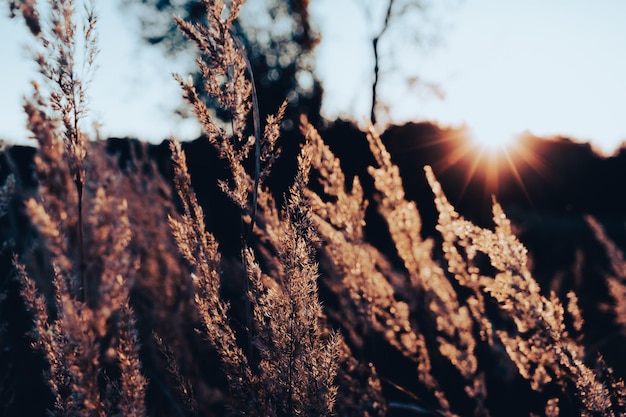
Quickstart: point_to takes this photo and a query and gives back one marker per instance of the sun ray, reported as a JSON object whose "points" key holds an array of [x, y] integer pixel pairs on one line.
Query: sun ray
{"points": [[515, 171], [473, 168], [498, 163]]}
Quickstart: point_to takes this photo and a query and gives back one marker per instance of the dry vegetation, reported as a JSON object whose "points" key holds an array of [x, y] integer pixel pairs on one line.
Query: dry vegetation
{"points": [[135, 317]]}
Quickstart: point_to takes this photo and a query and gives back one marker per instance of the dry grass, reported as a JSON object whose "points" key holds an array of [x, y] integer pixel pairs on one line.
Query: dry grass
{"points": [[136, 311]]}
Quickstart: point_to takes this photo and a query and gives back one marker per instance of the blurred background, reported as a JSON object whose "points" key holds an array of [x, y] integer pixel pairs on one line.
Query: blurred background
{"points": [[519, 100], [497, 68]]}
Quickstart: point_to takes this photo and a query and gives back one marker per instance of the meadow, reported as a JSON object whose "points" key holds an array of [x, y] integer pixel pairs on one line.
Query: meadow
{"points": [[119, 296]]}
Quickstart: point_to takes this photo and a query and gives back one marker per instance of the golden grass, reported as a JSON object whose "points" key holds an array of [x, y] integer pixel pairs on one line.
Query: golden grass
{"points": [[140, 317]]}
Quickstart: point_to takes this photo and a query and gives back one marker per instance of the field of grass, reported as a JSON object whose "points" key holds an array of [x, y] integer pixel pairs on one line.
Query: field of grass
{"points": [[116, 298]]}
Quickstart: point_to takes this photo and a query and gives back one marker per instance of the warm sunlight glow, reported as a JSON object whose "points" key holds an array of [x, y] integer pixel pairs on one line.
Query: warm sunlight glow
{"points": [[495, 154], [491, 139], [489, 167]]}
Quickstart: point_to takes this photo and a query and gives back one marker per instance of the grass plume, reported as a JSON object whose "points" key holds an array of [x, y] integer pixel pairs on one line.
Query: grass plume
{"points": [[134, 307]]}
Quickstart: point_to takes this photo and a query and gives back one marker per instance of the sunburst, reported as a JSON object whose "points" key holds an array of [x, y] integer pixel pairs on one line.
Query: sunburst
{"points": [[498, 156], [494, 151], [494, 158]]}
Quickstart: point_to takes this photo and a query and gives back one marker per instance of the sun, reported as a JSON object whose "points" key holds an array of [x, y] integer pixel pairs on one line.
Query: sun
{"points": [[492, 139], [491, 161], [495, 153]]}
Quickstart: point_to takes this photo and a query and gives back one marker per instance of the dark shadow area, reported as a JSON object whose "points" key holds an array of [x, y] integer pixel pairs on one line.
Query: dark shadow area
{"points": [[546, 192]]}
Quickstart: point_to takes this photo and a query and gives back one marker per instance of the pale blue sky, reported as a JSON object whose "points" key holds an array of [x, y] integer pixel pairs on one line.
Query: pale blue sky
{"points": [[548, 66], [554, 67]]}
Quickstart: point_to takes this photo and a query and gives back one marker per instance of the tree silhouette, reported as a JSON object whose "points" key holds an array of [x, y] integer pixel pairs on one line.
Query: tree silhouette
{"points": [[279, 53], [279, 39], [376, 66], [399, 16]]}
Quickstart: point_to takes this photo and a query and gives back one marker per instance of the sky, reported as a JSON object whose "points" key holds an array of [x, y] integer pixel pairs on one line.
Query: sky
{"points": [[501, 68]]}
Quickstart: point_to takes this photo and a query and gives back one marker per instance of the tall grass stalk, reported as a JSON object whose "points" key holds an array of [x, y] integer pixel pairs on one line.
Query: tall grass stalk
{"points": [[134, 318]]}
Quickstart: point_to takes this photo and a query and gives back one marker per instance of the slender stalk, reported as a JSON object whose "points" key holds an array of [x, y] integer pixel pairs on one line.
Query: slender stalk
{"points": [[81, 247], [255, 191], [79, 180], [257, 131]]}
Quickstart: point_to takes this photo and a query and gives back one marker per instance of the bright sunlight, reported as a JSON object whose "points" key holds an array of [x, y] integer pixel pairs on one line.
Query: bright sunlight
{"points": [[496, 155], [492, 138]]}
